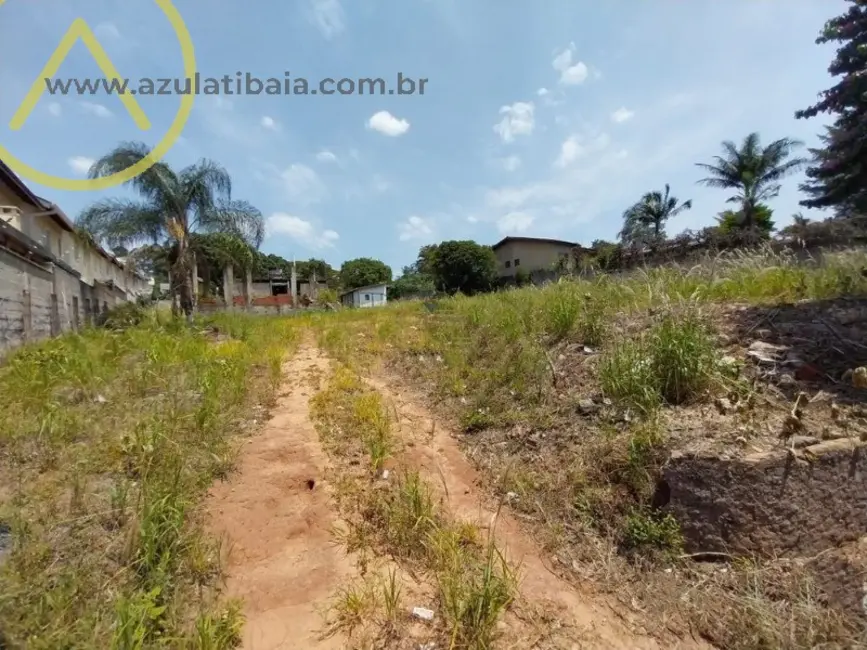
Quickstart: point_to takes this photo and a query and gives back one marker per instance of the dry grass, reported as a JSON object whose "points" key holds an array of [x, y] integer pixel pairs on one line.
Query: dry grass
{"points": [[401, 518], [109, 440], [516, 370]]}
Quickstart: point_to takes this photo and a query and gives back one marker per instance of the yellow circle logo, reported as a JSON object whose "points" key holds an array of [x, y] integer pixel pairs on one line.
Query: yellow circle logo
{"points": [[81, 31]]}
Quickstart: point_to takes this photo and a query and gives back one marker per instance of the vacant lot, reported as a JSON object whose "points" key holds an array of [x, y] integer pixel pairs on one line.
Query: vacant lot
{"points": [[516, 463]]}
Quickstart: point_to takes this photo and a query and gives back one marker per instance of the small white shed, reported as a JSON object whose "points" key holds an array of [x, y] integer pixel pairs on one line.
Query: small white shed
{"points": [[373, 295]]}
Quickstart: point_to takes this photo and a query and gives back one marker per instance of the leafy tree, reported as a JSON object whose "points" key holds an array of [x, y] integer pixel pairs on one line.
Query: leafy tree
{"points": [[753, 171], [838, 176], [411, 283], [635, 233], [362, 272], [172, 205], [463, 266], [648, 216], [798, 229], [605, 254], [732, 221], [322, 269], [424, 262]]}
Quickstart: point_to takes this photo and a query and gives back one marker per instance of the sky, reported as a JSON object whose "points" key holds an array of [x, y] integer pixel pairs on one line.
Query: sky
{"points": [[538, 119]]}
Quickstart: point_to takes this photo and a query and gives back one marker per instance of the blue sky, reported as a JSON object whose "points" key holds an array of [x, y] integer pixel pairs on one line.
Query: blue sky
{"points": [[539, 118]]}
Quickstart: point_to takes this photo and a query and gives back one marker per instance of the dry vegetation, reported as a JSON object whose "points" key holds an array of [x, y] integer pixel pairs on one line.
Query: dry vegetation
{"points": [[398, 525], [108, 441], [571, 397]]}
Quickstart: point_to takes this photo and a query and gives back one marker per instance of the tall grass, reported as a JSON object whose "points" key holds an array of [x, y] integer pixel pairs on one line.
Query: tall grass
{"points": [[518, 362], [109, 440]]}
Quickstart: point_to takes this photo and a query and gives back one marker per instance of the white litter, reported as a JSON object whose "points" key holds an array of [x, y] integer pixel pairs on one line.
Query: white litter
{"points": [[423, 613]]}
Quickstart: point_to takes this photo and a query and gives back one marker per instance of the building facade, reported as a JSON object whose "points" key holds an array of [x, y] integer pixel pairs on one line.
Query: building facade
{"points": [[51, 279], [529, 254], [374, 295]]}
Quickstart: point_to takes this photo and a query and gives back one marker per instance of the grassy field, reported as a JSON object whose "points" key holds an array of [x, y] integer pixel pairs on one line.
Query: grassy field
{"points": [[109, 439], [565, 395], [514, 371]]}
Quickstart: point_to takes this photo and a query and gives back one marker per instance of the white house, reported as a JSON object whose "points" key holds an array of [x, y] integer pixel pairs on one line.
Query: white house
{"points": [[373, 295]]}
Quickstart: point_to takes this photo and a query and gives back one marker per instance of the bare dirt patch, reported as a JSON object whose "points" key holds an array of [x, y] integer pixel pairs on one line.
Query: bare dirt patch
{"points": [[552, 612], [276, 516]]}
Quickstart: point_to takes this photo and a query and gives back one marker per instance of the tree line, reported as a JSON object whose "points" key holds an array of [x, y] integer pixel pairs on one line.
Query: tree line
{"points": [[836, 173]]}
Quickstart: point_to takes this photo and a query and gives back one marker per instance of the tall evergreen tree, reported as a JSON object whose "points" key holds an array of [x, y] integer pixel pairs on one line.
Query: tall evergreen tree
{"points": [[838, 175]]}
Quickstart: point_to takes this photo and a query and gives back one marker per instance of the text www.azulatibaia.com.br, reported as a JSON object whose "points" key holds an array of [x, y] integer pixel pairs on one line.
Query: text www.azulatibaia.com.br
{"points": [[238, 84]]}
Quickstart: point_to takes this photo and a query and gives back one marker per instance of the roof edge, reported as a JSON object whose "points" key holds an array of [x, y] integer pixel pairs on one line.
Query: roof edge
{"points": [[542, 240]]}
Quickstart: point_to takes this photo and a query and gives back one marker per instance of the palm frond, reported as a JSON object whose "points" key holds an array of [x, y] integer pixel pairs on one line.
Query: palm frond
{"points": [[203, 186], [154, 184], [235, 217], [122, 222]]}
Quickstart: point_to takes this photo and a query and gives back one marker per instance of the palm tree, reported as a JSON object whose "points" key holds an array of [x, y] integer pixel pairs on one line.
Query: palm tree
{"points": [[753, 171], [172, 205], [649, 215]]}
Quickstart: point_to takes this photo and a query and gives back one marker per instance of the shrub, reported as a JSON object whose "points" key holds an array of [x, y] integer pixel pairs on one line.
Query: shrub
{"points": [[673, 363]]}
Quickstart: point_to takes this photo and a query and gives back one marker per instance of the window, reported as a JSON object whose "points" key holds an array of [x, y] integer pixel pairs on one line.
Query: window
{"points": [[508, 264], [517, 262], [367, 296]]}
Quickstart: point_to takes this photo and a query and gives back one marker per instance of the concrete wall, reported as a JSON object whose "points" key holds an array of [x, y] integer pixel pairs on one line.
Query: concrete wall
{"points": [[530, 255], [28, 311]]}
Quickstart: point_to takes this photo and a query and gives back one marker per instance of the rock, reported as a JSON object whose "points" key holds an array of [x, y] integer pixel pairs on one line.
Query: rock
{"points": [[588, 350], [427, 646], [723, 405], [859, 377], [587, 406], [423, 613], [99, 399], [785, 379], [765, 504], [385, 475], [512, 496], [799, 442]]}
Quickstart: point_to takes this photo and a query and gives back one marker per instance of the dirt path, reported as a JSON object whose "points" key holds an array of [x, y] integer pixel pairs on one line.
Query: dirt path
{"points": [[281, 557], [570, 619]]}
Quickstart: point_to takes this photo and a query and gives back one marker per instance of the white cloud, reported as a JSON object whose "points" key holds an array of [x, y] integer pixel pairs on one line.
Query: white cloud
{"points": [[95, 109], [571, 73], [327, 16], [269, 123], [301, 230], [514, 222], [387, 124], [542, 92], [326, 156], [414, 228], [80, 164], [55, 109], [511, 163], [518, 119], [577, 146], [302, 184], [622, 115], [569, 151], [107, 30]]}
